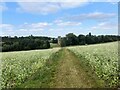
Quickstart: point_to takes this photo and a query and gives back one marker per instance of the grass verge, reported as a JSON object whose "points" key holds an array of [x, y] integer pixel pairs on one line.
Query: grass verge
{"points": [[43, 76]]}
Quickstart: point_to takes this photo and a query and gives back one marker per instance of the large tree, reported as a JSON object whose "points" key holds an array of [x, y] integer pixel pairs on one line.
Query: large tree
{"points": [[71, 39], [81, 39]]}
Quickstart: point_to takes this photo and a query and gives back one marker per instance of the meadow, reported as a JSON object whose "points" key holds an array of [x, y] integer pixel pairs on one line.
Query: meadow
{"points": [[18, 66], [102, 59]]}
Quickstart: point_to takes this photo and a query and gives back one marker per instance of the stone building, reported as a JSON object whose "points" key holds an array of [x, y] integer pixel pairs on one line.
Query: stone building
{"points": [[59, 40]]}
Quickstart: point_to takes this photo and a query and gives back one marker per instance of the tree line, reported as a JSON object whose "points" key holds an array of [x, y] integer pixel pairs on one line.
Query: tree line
{"points": [[71, 39], [24, 43], [39, 42]]}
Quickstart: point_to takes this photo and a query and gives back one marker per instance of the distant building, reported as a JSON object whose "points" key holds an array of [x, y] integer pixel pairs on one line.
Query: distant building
{"points": [[59, 40]]}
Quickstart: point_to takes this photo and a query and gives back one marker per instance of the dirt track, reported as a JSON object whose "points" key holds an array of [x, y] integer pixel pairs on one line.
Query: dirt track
{"points": [[70, 74]]}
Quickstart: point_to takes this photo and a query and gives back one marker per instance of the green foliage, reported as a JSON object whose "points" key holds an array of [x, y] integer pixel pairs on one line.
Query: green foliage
{"points": [[17, 67], [43, 76], [24, 43], [102, 58], [82, 39], [54, 40], [71, 39], [53, 45], [63, 42], [33, 42]]}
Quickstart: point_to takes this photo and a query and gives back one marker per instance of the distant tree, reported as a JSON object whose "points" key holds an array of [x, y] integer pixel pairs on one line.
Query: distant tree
{"points": [[15, 37], [15, 46], [31, 42], [25, 43], [81, 39], [31, 37], [71, 39], [90, 39], [89, 34], [53, 40], [47, 44]]}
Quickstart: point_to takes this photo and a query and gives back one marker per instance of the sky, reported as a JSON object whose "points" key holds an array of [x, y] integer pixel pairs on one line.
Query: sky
{"points": [[55, 19]]}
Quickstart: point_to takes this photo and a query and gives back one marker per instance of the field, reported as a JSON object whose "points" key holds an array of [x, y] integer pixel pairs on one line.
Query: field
{"points": [[52, 45], [102, 58], [18, 66], [77, 66]]}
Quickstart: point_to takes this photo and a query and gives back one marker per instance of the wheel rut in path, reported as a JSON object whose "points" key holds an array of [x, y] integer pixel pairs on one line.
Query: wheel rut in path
{"points": [[69, 73]]}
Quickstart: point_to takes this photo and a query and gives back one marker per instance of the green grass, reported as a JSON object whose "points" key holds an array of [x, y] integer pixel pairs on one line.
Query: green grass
{"points": [[102, 59], [42, 77], [17, 67], [53, 45], [36, 68]]}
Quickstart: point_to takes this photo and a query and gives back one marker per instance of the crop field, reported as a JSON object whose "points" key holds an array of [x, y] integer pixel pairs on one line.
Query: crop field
{"points": [[18, 66], [59, 44], [22, 68], [102, 58]]}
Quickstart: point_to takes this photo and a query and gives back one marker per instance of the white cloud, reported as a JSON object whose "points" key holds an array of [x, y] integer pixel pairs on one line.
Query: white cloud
{"points": [[38, 8], [47, 7], [66, 23], [58, 21], [59, 0], [72, 4], [40, 27], [37, 26], [99, 16], [56, 26], [6, 26], [8, 29], [3, 6], [106, 26], [69, 23], [104, 1]]}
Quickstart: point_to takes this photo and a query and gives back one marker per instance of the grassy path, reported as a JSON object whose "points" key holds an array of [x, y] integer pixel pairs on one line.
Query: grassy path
{"points": [[64, 70], [70, 74]]}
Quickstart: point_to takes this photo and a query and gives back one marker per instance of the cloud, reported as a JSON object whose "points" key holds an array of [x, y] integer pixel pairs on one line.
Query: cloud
{"points": [[37, 28], [72, 4], [39, 25], [6, 26], [60, 1], [8, 29], [111, 1], [47, 7], [3, 6], [99, 16], [44, 28], [38, 8], [68, 23], [106, 26]]}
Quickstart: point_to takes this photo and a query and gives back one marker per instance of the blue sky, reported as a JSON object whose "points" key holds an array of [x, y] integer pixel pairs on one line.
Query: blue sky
{"points": [[58, 18]]}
